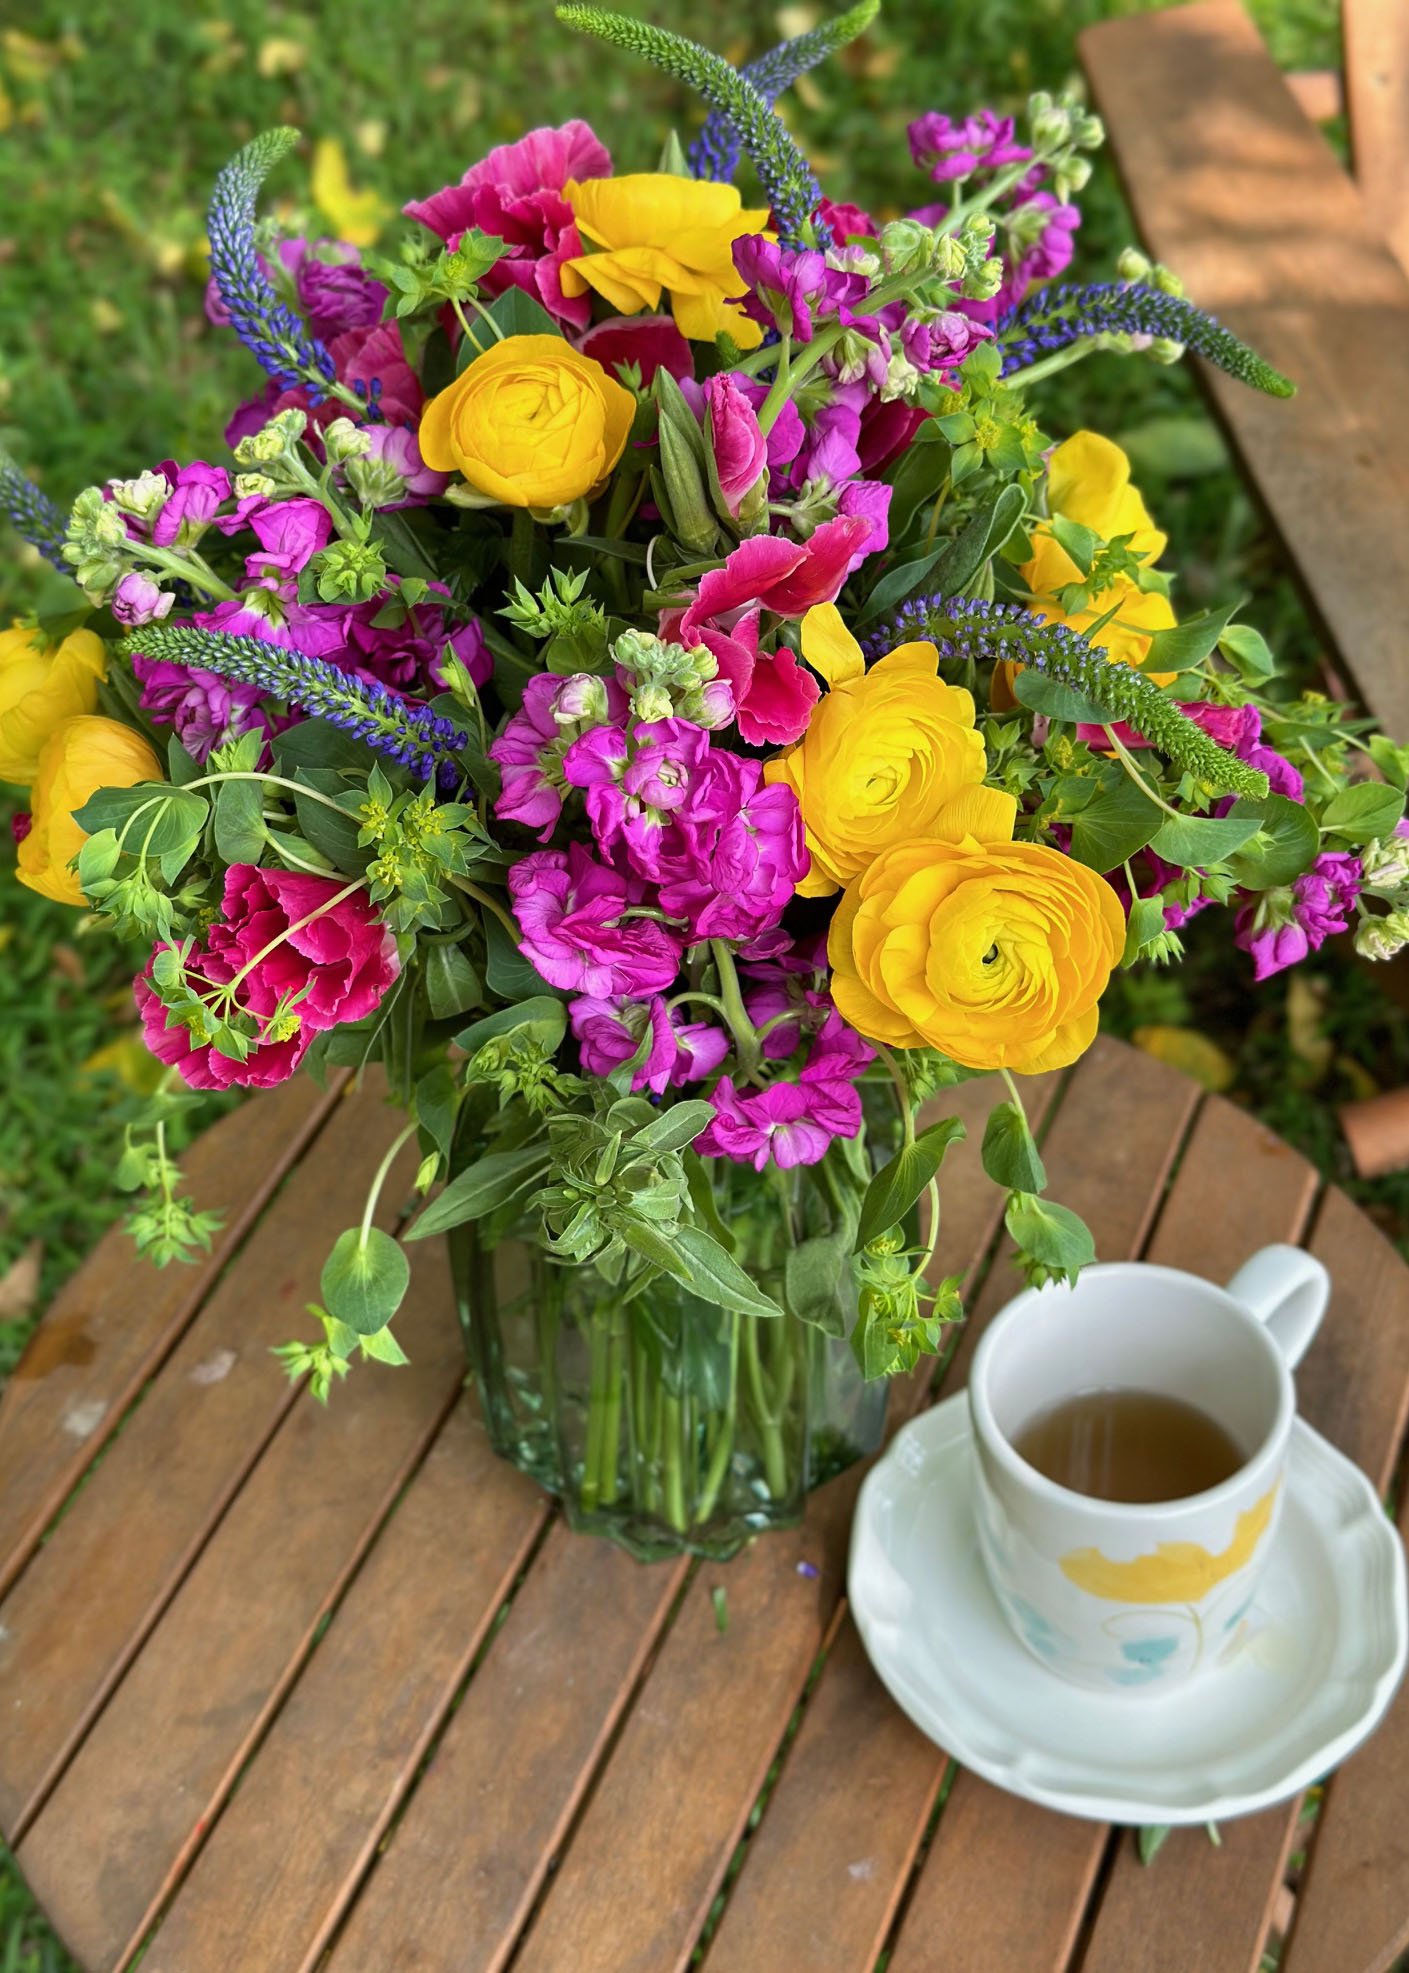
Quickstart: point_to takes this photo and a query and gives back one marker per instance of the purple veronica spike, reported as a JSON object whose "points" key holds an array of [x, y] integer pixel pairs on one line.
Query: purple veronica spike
{"points": [[1054, 318], [33, 514], [391, 725], [272, 332]]}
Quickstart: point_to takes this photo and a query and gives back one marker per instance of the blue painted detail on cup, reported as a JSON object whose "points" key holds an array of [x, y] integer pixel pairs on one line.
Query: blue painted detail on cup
{"points": [[1147, 1658]]}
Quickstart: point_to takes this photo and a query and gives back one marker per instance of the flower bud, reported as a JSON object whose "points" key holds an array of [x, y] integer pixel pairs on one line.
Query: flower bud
{"points": [[1133, 265], [907, 247], [260, 448], [982, 283], [1385, 864], [254, 485], [695, 526], [143, 498], [1382, 938], [375, 481], [342, 440], [650, 702], [582, 698], [349, 572], [1088, 132], [1164, 349], [139, 600], [950, 260], [1168, 282]]}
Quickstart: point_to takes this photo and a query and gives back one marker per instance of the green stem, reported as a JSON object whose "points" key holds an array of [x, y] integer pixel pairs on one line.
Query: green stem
{"points": [[521, 539], [483, 898], [674, 1476], [598, 1345], [378, 1182], [1127, 762], [724, 1443], [775, 1465], [902, 1094], [609, 1451], [735, 1013], [1048, 366]]}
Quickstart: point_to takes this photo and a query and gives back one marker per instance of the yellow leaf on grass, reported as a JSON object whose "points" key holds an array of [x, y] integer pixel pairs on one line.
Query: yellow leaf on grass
{"points": [[129, 1060], [280, 55], [357, 217], [1193, 1054], [19, 1284]]}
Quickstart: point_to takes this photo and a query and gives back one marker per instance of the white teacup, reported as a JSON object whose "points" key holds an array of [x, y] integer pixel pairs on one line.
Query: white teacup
{"points": [[1117, 1595]]}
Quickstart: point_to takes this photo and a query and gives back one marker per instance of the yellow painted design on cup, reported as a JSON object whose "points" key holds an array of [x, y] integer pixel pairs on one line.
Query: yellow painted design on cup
{"points": [[1177, 1572]]}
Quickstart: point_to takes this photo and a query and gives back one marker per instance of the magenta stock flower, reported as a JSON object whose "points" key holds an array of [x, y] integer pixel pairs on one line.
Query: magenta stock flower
{"points": [[204, 710], [304, 976], [609, 1032], [635, 786], [572, 914], [950, 148], [290, 533], [516, 195], [1282, 926], [739, 447], [334, 291], [397, 447], [792, 1123], [746, 848], [198, 491]]}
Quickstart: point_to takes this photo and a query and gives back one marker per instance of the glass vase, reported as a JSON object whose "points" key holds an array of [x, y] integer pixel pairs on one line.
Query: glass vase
{"points": [[662, 1421]]}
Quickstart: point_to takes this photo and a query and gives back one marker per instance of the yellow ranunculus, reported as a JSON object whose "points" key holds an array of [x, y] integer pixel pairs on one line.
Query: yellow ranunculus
{"points": [[885, 753], [1088, 481], [533, 422], [40, 688], [995, 953], [77, 759], [657, 232]]}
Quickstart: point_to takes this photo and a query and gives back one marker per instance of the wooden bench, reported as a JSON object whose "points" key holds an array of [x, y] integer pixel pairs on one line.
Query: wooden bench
{"points": [[283, 1687]]}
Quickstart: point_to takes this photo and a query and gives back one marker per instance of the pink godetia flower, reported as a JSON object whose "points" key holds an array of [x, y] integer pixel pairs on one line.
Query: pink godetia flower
{"points": [[792, 1123], [516, 195], [1280, 927], [315, 960], [739, 447], [138, 600], [1238, 728], [847, 222], [949, 147], [645, 342], [555, 712], [576, 927], [773, 694], [404, 647], [610, 1031]]}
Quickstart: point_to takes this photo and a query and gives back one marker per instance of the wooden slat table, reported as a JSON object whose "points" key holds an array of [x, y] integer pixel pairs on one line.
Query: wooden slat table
{"points": [[284, 1688]]}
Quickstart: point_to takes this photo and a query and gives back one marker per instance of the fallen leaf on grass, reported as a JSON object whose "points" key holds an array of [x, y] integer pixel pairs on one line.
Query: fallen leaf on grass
{"points": [[357, 217], [19, 1284]]}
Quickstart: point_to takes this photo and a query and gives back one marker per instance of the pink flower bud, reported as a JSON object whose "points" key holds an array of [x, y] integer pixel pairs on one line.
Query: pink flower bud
{"points": [[740, 450]]}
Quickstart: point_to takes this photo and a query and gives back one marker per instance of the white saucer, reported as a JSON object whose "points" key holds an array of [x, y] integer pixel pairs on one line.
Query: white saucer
{"points": [[1302, 1679]]}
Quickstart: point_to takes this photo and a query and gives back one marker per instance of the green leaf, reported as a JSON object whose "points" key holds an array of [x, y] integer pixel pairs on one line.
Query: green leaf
{"points": [[510, 975], [1146, 921], [1187, 644], [1010, 1155], [239, 825], [452, 984], [162, 818], [1390, 759], [1363, 812], [437, 1104], [813, 1278], [181, 766], [364, 1279], [482, 1186], [1051, 1234], [1080, 544], [966, 554], [1150, 1840], [898, 1184], [382, 1345], [318, 743], [545, 1017], [1248, 650], [1057, 700], [697, 1174], [672, 1130], [515, 313], [332, 831], [899, 583], [652, 1245], [917, 476], [715, 1276], [1195, 841], [1290, 845], [1119, 820]]}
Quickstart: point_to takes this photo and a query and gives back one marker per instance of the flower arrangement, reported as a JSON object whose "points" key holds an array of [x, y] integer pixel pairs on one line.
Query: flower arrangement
{"points": [[646, 678]]}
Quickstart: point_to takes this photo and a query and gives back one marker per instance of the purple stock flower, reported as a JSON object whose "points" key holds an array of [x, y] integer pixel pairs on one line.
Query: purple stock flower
{"points": [[555, 713], [197, 492], [792, 1123], [609, 1032], [334, 291], [746, 851], [572, 917], [204, 710], [290, 533], [950, 149], [396, 447], [1282, 926], [137, 600], [634, 788]]}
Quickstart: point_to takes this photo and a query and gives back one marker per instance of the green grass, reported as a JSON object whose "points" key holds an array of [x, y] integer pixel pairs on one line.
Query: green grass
{"points": [[116, 128]]}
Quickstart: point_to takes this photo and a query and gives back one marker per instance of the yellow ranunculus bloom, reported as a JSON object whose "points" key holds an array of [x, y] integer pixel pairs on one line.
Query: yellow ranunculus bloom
{"points": [[40, 688], [77, 759], [995, 953], [885, 752], [657, 232], [1088, 481], [533, 422]]}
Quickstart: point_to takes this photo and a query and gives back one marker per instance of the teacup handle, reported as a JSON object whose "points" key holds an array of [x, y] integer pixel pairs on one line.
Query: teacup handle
{"points": [[1286, 1289]]}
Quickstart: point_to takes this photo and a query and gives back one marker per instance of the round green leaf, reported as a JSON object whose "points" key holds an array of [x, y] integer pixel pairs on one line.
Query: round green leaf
{"points": [[364, 1279], [1285, 844]]}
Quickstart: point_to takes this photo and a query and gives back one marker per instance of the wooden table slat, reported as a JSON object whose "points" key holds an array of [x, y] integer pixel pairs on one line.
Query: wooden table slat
{"points": [[1376, 38], [117, 1318], [495, 1806], [289, 1850], [1208, 1906], [981, 1892], [1243, 198], [126, 1541], [235, 1633]]}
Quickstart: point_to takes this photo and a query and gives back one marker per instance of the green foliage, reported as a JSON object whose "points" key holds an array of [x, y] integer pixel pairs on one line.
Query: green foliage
{"points": [[898, 1184]]}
